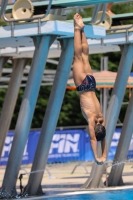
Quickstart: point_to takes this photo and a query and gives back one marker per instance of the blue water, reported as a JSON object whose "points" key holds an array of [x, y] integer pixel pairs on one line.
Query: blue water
{"points": [[110, 195]]}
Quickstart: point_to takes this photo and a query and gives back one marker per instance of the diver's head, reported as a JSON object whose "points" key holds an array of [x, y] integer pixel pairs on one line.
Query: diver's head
{"points": [[100, 132]]}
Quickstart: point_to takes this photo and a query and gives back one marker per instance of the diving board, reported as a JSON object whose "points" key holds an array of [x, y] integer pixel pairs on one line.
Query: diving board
{"points": [[24, 47], [50, 27]]}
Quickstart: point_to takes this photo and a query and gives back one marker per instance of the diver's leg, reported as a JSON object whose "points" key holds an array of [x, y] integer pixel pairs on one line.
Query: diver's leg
{"points": [[85, 54], [78, 70]]}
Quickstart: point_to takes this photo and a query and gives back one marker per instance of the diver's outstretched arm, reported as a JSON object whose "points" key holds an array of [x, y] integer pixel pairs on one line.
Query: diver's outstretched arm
{"points": [[103, 146], [93, 141]]}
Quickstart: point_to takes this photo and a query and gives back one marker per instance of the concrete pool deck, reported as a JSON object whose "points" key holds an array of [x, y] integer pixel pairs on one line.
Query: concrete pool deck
{"points": [[58, 178]]}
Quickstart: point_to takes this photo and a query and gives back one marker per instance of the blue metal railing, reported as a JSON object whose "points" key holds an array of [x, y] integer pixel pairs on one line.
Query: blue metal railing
{"points": [[97, 8], [3, 7]]}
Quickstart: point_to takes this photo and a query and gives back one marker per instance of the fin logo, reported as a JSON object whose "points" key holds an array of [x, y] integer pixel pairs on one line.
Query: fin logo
{"points": [[8, 145], [65, 143]]}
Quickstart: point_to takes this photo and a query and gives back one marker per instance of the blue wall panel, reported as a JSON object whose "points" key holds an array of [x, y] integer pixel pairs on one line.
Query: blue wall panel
{"points": [[66, 146]]}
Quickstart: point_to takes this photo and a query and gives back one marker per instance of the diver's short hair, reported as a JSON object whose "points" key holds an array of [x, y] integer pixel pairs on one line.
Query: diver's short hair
{"points": [[100, 132]]}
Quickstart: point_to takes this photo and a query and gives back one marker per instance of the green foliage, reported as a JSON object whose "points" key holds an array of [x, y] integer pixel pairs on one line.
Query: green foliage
{"points": [[2, 23], [41, 106], [70, 114], [114, 60], [86, 12], [39, 110], [17, 108], [123, 8], [95, 60], [2, 96]]}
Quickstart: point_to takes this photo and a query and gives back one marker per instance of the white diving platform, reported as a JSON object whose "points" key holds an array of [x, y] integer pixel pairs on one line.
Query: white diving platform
{"points": [[17, 41], [24, 47], [21, 45], [60, 28]]}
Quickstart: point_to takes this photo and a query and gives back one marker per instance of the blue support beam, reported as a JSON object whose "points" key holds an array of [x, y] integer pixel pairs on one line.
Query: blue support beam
{"points": [[42, 44], [115, 177], [3, 61], [11, 98], [113, 110], [51, 116], [118, 91]]}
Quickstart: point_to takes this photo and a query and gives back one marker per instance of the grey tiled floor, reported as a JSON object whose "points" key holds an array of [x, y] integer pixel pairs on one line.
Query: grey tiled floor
{"points": [[58, 178]]}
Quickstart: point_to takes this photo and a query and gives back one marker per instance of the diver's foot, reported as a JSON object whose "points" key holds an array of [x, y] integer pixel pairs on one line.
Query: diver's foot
{"points": [[110, 12], [78, 22]]}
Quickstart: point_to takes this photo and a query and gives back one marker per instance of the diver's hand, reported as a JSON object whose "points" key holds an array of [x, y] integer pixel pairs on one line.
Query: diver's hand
{"points": [[100, 161]]}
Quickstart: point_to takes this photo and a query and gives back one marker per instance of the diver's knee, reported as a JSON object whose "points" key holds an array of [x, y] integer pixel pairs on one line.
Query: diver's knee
{"points": [[78, 58]]}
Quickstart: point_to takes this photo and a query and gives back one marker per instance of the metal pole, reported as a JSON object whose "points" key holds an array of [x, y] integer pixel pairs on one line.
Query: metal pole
{"points": [[115, 177], [95, 13], [3, 6], [101, 89], [3, 61], [105, 90], [105, 101], [114, 106], [118, 91], [51, 116], [42, 44], [10, 99]]}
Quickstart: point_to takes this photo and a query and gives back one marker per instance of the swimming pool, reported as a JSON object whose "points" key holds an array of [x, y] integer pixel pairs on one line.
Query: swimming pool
{"points": [[105, 195]]}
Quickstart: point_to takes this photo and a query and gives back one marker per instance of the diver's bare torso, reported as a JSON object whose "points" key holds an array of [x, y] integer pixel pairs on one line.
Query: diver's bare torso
{"points": [[91, 106]]}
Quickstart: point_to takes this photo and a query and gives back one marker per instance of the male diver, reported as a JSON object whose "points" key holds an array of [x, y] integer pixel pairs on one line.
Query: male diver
{"points": [[86, 85]]}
